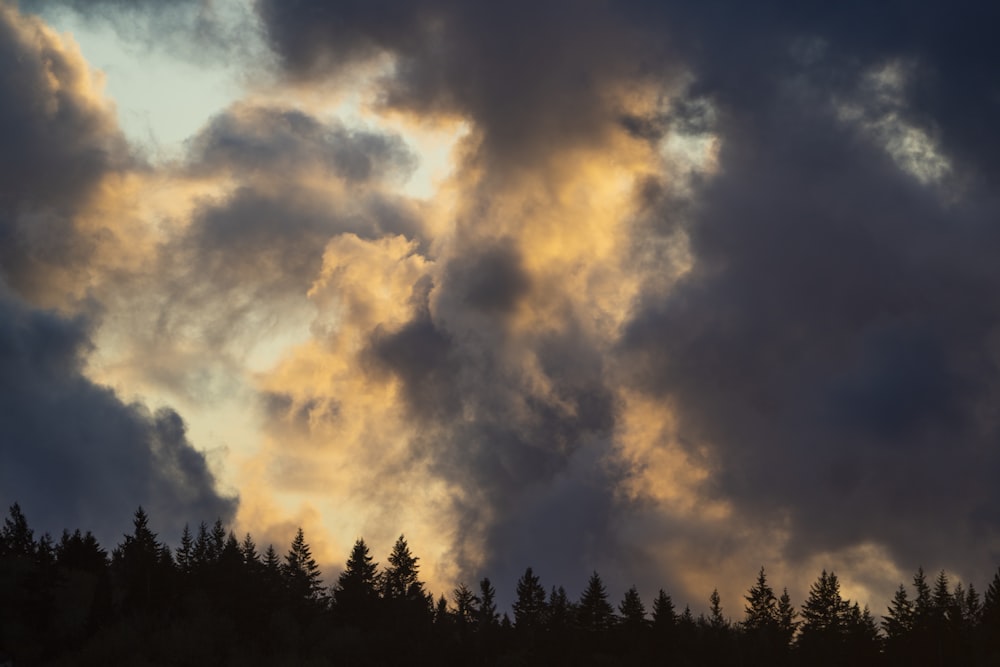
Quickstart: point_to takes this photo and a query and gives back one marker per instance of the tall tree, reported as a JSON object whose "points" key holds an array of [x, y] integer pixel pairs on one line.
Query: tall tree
{"points": [[356, 591], [633, 612], [762, 607], [139, 566], [301, 571], [594, 612], [466, 606], [529, 607], [715, 618], [185, 554], [787, 625], [824, 622], [664, 615], [16, 538], [401, 578], [487, 615]]}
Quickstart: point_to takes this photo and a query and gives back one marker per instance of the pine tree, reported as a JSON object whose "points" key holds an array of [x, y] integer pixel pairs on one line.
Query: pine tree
{"points": [[824, 622], [139, 565], [401, 578], [356, 591], [466, 606], [787, 625], [762, 607], [716, 620], [664, 616], [301, 571], [248, 549], [594, 612], [185, 554], [487, 615], [16, 538], [529, 608], [898, 621], [632, 611], [560, 612]]}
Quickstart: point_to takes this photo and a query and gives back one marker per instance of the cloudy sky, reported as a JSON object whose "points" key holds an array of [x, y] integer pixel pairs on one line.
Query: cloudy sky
{"points": [[668, 290]]}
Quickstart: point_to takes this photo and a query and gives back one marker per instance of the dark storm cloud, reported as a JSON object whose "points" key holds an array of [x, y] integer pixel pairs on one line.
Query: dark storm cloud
{"points": [[835, 343], [836, 340], [73, 454], [58, 143], [533, 76]]}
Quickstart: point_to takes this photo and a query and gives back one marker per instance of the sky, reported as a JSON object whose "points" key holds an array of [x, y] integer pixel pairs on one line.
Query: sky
{"points": [[666, 290]]}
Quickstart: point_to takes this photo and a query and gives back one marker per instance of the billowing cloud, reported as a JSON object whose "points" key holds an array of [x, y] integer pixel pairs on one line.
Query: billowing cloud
{"points": [[73, 454], [707, 286]]}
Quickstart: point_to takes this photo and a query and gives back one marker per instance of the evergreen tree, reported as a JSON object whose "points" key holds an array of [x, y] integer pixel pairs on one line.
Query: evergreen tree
{"points": [[356, 591], [401, 578], [762, 607], [824, 622], [185, 554], [248, 549], [529, 608], [139, 566], [487, 614], [664, 616], [466, 606], [301, 571], [633, 612], [560, 611], [16, 538], [787, 625], [594, 612], [716, 620], [898, 621]]}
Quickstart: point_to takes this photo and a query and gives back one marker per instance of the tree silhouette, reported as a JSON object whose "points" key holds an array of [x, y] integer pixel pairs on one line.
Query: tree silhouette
{"points": [[594, 613], [301, 571], [632, 611], [824, 622], [356, 591], [487, 615], [140, 566], [529, 608]]}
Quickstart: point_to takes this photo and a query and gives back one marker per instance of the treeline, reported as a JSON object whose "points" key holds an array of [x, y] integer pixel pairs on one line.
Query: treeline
{"points": [[220, 600]]}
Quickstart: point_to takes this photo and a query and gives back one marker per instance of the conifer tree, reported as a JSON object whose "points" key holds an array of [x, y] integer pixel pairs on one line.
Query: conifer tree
{"points": [[487, 614], [715, 619], [633, 612], [898, 621], [594, 612], [466, 606], [185, 554], [16, 538], [248, 550], [787, 625], [401, 578], [356, 591], [529, 608], [762, 607], [664, 616], [559, 610], [301, 571]]}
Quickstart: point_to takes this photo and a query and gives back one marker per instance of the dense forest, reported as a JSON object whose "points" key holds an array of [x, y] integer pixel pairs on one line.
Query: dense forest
{"points": [[220, 600]]}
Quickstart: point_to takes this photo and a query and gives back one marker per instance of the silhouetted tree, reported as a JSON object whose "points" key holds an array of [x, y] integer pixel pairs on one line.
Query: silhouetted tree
{"points": [[487, 614], [594, 612], [301, 571], [633, 612], [356, 591], [529, 607], [824, 622], [141, 567], [185, 554], [466, 606], [787, 625]]}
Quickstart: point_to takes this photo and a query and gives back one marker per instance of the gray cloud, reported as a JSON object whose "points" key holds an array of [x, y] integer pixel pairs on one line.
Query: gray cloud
{"points": [[73, 454], [59, 144], [834, 344]]}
